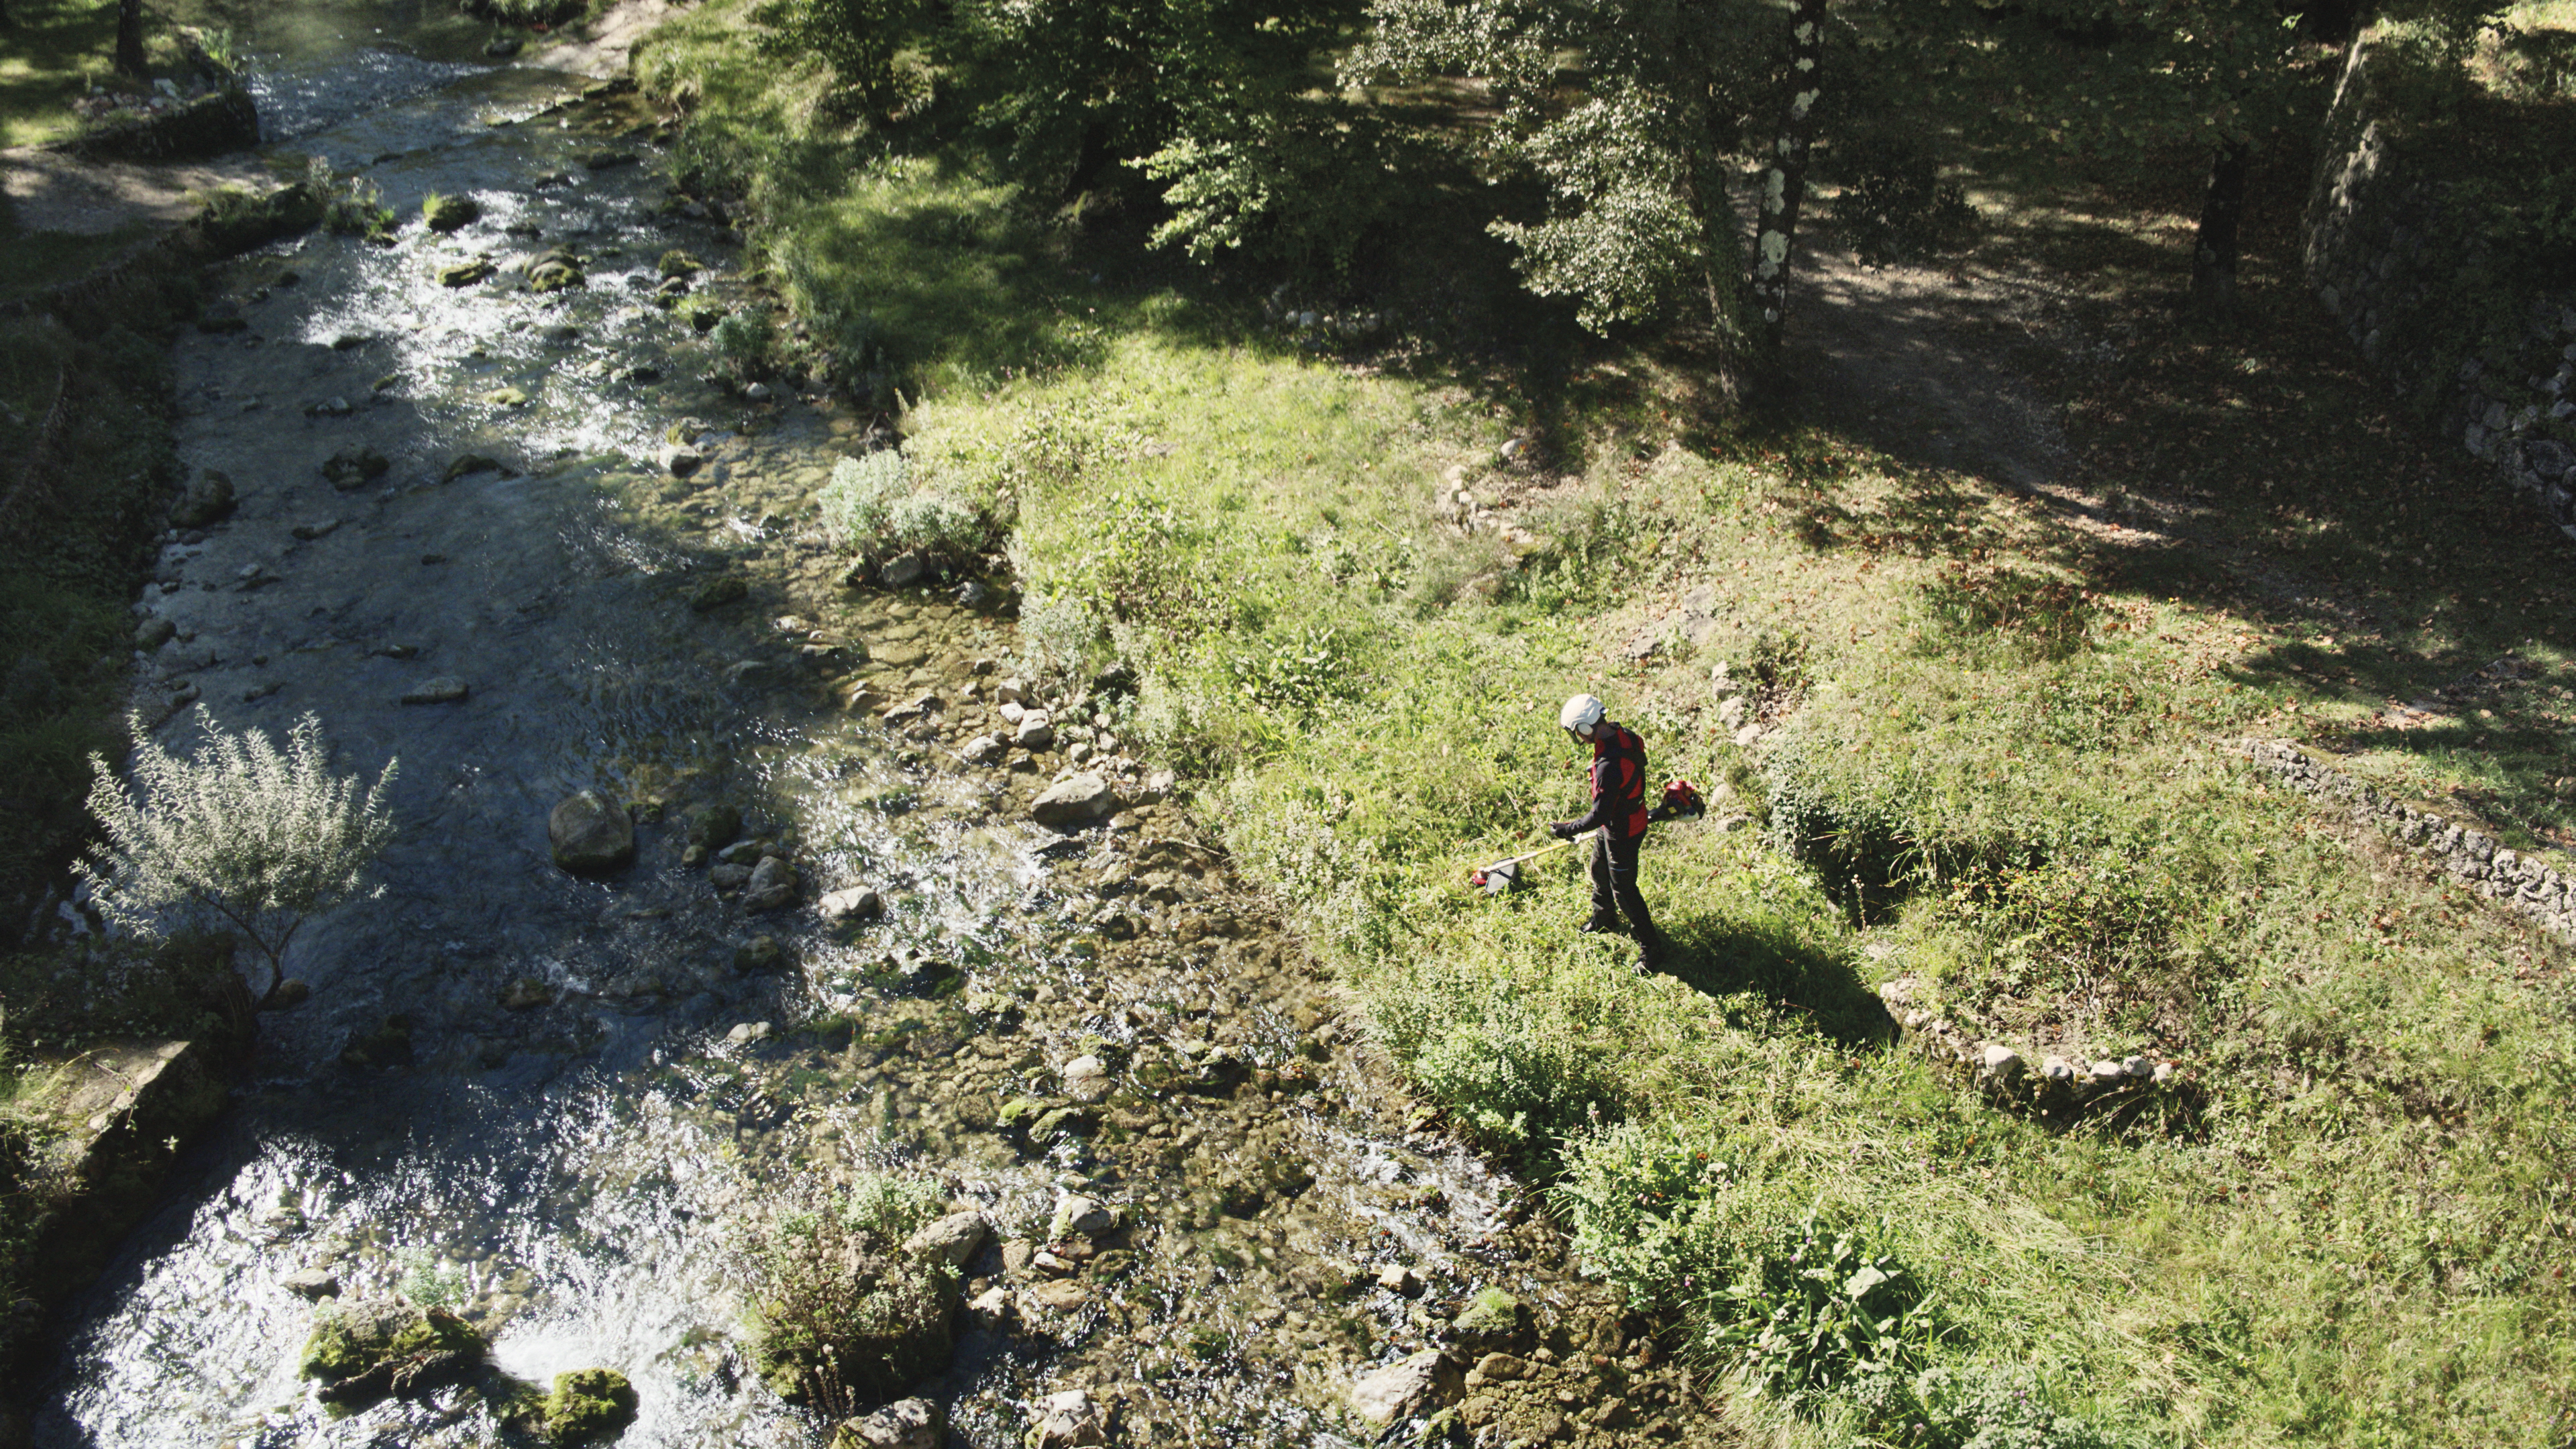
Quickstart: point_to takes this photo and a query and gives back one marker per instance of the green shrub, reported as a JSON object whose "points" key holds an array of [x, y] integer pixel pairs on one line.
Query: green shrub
{"points": [[843, 1318], [238, 835], [1817, 1307], [871, 506]]}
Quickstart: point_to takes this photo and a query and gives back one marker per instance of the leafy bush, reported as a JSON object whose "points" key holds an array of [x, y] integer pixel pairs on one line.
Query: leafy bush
{"points": [[237, 834], [1894, 206], [1815, 1308], [747, 341], [870, 505]]}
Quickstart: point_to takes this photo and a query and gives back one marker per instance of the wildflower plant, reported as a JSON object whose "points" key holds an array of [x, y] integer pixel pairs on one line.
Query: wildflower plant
{"points": [[237, 834]]}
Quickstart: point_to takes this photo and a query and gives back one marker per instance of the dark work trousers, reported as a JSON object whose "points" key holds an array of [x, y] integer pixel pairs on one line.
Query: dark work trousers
{"points": [[1614, 885]]}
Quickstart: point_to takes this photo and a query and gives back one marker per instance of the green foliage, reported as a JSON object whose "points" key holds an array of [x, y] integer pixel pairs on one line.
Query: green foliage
{"points": [[1893, 205], [841, 1317], [1633, 149], [1814, 1308], [747, 341], [430, 1280], [528, 12], [1300, 181], [238, 833], [871, 506]]}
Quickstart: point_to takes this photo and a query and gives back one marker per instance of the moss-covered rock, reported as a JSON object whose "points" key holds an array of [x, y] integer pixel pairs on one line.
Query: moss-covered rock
{"points": [[588, 1405], [465, 274], [365, 1349], [448, 213], [677, 263]]}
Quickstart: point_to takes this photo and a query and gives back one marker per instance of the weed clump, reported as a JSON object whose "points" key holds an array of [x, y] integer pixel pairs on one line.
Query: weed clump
{"points": [[842, 1317], [871, 506]]}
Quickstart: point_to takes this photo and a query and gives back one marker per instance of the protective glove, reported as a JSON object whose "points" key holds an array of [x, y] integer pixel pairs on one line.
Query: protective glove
{"points": [[1561, 829]]}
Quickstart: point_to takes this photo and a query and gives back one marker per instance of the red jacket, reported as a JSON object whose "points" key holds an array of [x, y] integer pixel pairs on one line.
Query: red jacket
{"points": [[1618, 783]]}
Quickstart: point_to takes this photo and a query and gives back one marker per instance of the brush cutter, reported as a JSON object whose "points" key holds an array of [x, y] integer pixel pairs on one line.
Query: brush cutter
{"points": [[1681, 801]]}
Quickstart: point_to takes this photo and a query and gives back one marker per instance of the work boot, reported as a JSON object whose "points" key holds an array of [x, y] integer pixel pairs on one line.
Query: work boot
{"points": [[1604, 926], [1654, 950]]}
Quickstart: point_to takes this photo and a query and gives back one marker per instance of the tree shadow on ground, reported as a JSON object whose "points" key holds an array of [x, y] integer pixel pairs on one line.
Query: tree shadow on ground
{"points": [[1719, 957]]}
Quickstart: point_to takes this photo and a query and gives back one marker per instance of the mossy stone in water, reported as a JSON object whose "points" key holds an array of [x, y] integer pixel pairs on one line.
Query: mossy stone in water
{"points": [[677, 263], [447, 213], [465, 274], [588, 1405], [351, 1339], [1493, 1321]]}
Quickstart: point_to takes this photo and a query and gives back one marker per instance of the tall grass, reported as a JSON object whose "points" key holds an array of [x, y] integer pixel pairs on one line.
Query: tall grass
{"points": [[1991, 766]]}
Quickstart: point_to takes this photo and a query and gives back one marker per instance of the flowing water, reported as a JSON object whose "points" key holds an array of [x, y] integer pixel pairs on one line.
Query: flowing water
{"points": [[559, 1102]]}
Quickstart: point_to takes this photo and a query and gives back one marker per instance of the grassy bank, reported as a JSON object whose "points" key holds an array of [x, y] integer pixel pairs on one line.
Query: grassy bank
{"points": [[1991, 765]]}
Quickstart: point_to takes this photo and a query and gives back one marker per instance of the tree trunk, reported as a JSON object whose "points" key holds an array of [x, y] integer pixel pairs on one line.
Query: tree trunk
{"points": [[1784, 186], [129, 39], [2213, 254]]}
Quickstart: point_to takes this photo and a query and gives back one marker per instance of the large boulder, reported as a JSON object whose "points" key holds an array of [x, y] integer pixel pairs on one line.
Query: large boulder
{"points": [[590, 834], [366, 1349], [951, 1240], [1076, 801], [1069, 1420], [207, 500], [588, 1405], [1405, 1389]]}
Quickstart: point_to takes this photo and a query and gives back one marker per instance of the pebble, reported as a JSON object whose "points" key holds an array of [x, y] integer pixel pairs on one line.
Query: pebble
{"points": [[440, 689]]}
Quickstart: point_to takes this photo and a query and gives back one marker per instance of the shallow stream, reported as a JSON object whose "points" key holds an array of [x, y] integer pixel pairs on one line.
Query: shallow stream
{"points": [[558, 1102]]}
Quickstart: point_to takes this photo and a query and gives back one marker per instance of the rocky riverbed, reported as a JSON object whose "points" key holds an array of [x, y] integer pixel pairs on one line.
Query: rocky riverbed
{"points": [[722, 880]]}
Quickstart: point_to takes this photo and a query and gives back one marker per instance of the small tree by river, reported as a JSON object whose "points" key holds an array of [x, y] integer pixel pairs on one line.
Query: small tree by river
{"points": [[237, 835]]}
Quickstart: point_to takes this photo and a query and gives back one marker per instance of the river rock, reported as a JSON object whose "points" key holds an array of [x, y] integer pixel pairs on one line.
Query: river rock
{"points": [[904, 570], [555, 271], [310, 1283], [952, 1240], [1087, 1079], [1069, 1420], [903, 1424], [587, 1406], [465, 274], [206, 500], [760, 953], [854, 903], [151, 634], [679, 459], [590, 834], [1075, 1213], [1492, 1321], [1405, 1389], [983, 750], [354, 467], [730, 875], [526, 992], [1074, 802], [438, 689], [329, 407], [449, 213], [714, 826], [677, 263], [1035, 731], [772, 885], [364, 1350], [507, 397]]}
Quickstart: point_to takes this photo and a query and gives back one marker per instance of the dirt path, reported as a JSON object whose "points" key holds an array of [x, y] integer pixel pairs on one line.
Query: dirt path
{"points": [[1909, 360]]}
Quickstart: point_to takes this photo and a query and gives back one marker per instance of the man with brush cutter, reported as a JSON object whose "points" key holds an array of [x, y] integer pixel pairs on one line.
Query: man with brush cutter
{"points": [[1619, 813]]}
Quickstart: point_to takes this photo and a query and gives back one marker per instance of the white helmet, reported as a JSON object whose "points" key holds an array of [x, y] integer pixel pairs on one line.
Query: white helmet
{"points": [[1580, 714]]}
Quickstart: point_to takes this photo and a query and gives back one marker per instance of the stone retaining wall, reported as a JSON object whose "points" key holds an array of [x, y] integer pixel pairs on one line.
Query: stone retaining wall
{"points": [[2379, 256], [2519, 881], [227, 120]]}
